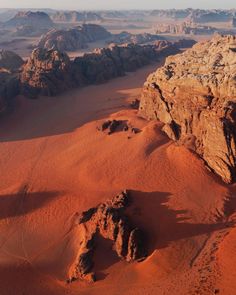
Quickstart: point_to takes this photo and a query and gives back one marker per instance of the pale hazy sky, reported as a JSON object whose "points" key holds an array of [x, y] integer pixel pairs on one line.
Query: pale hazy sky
{"points": [[117, 4]]}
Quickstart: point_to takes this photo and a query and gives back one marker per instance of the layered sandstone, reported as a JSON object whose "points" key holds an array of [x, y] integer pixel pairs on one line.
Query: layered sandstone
{"points": [[109, 221], [194, 95]]}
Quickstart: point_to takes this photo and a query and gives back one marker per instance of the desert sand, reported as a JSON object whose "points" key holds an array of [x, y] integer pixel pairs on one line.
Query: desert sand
{"points": [[54, 163]]}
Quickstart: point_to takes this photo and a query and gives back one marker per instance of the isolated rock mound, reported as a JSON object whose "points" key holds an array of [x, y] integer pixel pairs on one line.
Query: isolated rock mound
{"points": [[73, 39], [194, 95], [10, 60], [47, 72], [109, 221]]}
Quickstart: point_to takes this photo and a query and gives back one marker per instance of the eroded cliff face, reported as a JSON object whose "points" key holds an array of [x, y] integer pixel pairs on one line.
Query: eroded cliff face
{"points": [[194, 95], [109, 221]]}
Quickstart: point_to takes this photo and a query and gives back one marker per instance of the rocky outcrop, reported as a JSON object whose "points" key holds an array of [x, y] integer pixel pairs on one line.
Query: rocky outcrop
{"points": [[194, 95], [28, 23], [63, 40], [49, 72], [46, 73], [195, 15], [73, 39], [109, 221], [115, 61], [126, 37], [75, 16], [185, 28], [214, 15], [10, 60]]}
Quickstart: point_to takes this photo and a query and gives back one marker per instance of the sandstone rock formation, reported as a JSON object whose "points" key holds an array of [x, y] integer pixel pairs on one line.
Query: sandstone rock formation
{"points": [[46, 72], [185, 28], [35, 19], [109, 221], [214, 15], [126, 37], [63, 40], [115, 61], [10, 60], [194, 95], [49, 72], [28, 23], [73, 39], [195, 15], [75, 16]]}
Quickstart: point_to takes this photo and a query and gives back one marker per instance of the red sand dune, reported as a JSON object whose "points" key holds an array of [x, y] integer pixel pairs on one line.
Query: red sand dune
{"points": [[54, 163]]}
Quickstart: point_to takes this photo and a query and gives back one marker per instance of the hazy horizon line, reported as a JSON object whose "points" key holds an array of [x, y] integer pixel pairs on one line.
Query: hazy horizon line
{"points": [[113, 9]]}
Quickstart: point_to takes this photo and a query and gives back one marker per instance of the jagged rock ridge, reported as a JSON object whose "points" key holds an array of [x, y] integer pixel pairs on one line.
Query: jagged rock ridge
{"points": [[194, 95], [109, 221]]}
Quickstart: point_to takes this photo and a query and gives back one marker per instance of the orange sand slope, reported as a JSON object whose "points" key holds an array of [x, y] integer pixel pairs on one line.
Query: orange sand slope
{"points": [[54, 163]]}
